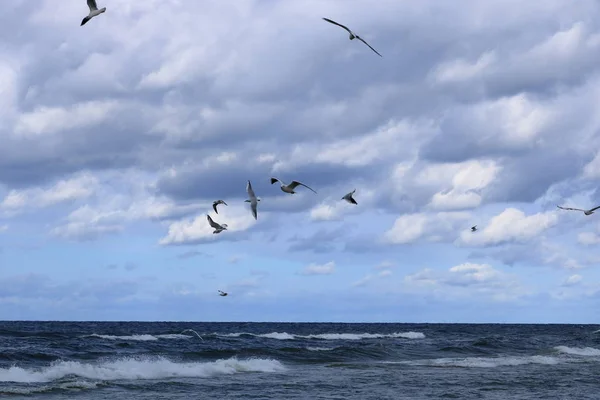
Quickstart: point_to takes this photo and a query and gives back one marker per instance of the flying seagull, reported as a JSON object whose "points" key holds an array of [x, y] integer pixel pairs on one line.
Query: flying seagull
{"points": [[253, 200], [216, 203], [473, 228], [289, 188], [93, 11], [352, 35], [222, 293], [218, 228], [349, 197], [586, 212]]}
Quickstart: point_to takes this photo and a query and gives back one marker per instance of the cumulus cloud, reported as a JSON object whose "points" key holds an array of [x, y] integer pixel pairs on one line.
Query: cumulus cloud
{"points": [[489, 119], [511, 225], [319, 269], [467, 278]]}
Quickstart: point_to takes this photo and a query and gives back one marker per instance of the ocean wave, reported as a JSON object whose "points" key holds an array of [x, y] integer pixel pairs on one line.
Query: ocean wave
{"points": [[328, 336], [141, 337], [134, 368], [483, 362], [319, 348], [579, 351]]}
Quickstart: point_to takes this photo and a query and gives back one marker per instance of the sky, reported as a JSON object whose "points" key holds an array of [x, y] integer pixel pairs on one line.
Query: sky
{"points": [[117, 136]]}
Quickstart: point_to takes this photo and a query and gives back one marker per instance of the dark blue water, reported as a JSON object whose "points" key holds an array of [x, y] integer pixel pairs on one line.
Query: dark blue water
{"points": [[132, 360]]}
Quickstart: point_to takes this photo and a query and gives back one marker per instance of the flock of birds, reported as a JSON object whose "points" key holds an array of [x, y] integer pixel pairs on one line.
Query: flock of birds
{"points": [[286, 188]]}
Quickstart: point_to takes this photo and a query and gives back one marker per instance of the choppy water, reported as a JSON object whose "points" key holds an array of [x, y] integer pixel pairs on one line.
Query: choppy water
{"points": [[135, 360]]}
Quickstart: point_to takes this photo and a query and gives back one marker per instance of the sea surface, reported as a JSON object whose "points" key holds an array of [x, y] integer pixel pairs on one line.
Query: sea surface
{"points": [[160, 360]]}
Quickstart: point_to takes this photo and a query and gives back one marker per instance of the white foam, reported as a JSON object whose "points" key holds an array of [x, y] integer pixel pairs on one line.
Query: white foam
{"points": [[579, 351], [132, 368], [484, 362], [141, 338], [319, 349], [330, 336]]}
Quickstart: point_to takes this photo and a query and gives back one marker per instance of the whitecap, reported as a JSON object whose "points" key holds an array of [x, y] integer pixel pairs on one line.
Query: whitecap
{"points": [[133, 368], [579, 351]]}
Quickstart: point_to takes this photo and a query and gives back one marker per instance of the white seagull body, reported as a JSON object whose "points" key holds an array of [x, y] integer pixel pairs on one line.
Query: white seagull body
{"points": [[218, 228], [216, 203], [253, 200], [352, 34], [290, 188], [586, 212], [349, 197], [93, 11]]}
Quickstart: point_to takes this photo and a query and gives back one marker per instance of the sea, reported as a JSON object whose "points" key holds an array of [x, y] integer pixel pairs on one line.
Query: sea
{"points": [[192, 360]]}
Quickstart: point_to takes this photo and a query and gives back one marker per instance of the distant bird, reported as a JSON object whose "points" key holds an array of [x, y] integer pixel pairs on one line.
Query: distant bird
{"points": [[218, 227], [222, 293], [349, 197], [352, 35], [586, 212], [289, 188], [473, 228], [93, 11], [216, 203], [253, 200]]}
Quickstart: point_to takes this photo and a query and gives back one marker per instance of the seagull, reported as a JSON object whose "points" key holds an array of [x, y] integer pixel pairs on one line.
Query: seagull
{"points": [[216, 203], [93, 11], [218, 228], [473, 228], [289, 188], [349, 197], [253, 200], [222, 293], [586, 212], [352, 35]]}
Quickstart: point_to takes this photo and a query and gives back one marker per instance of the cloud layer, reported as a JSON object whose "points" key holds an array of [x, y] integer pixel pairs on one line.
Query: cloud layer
{"points": [[118, 136]]}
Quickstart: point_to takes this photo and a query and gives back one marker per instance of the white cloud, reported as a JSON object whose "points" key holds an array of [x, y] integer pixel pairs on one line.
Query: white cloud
{"points": [[572, 280], [48, 120], [79, 187], [511, 225], [370, 277], [466, 280], [319, 269], [588, 238], [409, 228], [469, 177], [237, 218]]}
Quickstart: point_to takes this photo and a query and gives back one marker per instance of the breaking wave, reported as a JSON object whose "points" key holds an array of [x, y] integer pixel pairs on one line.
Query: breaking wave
{"points": [[329, 336], [579, 351], [134, 368], [140, 338]]}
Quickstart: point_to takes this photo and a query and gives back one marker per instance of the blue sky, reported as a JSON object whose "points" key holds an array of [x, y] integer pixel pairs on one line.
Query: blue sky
{"points": [[118, 135]]}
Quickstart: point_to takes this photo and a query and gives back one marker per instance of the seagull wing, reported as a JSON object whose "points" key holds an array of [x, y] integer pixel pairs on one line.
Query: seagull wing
{"points": [[352, 200], [250, 191], [570, 208], [223, 202], [594, 209], [92, 5], [340, 25], [273, 180], [253, 208], [215, 207], [212, 223], [362, 40], [294, 184]]}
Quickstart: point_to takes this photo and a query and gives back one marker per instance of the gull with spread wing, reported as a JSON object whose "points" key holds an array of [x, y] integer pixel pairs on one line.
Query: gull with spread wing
{"points": [[586, 212], [222, 293], [352, 34], [290, 188], [93, 11], [216, 203], [253, 200], [218, 228], [349, 197], [473, 228]]}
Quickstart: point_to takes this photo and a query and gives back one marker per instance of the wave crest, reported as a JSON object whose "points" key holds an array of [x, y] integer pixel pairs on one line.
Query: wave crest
{"points": [[138, 368], [329, 336]]}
